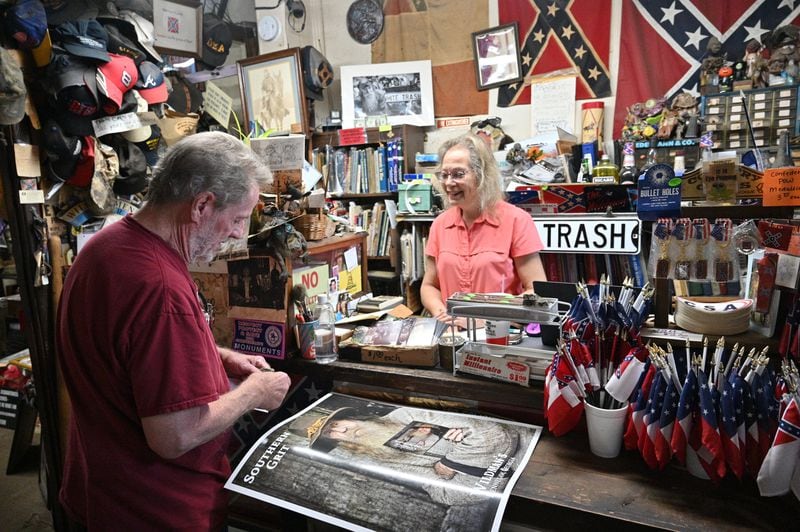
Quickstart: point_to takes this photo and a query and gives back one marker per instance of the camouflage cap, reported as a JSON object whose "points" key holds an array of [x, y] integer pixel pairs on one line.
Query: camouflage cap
{"points": [[12, 90]]}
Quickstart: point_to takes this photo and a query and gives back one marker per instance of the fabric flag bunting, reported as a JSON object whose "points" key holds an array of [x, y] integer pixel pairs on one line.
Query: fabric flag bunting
{"points": [[684, 418], [775, 476], [766, 411], [562, 397], [439, 31], [627, 375], [556, 35], [663, 42]]}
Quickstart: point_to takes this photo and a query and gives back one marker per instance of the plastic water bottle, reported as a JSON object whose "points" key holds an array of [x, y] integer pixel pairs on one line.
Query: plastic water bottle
{"points": [[325, 332]]}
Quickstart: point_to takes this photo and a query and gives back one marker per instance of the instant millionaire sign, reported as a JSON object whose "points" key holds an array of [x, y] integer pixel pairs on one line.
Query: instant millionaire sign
{"points": [[364, 465]]}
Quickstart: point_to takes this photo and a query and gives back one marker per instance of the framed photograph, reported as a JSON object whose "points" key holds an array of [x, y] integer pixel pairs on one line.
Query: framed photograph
{"points": [[272, 92], [178, 27], [400, 92], [497, 59]]}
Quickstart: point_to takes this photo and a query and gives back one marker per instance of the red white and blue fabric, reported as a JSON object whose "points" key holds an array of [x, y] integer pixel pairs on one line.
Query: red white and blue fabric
{"points": [[647, 438], [684, 417], [666, 426], [711, 455], [729, 431], [776, 472], [556, 35], [663, 42], [766, 410], [627, 375], [562, 397], [752, 453], [635, 426]]}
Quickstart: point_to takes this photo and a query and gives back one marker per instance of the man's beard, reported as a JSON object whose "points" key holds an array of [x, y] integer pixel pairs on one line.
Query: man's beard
{"points": [[203, 247]]}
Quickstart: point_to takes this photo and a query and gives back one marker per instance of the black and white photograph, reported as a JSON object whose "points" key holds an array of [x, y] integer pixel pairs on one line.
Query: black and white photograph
{"points": [[372, 465], [400, 92]]}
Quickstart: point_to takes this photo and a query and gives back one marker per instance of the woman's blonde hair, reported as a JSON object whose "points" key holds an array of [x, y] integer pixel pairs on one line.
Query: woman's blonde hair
{"points": [[481, 163]]}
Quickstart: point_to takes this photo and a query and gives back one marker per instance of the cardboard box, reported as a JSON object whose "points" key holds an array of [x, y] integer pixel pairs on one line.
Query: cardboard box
{"points": [[427, 357]]}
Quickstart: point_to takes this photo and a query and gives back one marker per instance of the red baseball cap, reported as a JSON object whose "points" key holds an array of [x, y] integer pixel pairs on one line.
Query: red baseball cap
{"points": [[114, 79]]}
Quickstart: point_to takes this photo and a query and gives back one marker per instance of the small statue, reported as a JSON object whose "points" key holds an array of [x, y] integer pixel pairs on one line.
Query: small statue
{"points": [[755, 64], [783, 47], [517, 158], [712, 62]]}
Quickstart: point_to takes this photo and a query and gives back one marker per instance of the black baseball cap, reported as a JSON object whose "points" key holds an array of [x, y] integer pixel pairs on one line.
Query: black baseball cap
{"points": [[72, 84], [122, 45], [132, 176], [83, 38], [217, 40]]}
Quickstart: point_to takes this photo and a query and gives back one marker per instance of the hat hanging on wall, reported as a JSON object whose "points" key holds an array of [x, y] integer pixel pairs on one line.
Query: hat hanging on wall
{"points": [[217, 40], [365, 21]]}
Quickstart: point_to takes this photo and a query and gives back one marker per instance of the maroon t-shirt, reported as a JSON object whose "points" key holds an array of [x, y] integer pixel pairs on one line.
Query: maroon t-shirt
{"points": [[133, 342]]}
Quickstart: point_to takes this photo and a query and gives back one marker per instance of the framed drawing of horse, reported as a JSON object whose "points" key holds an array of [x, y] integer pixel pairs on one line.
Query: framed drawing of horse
{"points": [[273, 98]]}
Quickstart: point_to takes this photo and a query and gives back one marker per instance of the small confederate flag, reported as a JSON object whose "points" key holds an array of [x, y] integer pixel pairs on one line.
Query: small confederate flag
{"points": [[562, 397], [683, 421], [776, 472], [621, 385]]}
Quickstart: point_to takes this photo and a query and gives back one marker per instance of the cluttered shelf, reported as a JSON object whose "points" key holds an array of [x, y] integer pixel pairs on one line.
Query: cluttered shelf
{"points": [[737, 212]]}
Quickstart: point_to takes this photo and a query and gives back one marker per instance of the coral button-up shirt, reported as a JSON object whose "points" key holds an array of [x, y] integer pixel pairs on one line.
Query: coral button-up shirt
{"points": [[480, 259]]}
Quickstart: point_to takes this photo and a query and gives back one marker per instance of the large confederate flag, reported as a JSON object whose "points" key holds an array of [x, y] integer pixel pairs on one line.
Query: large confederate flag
{"points": [[556, 35], [663, 42]]}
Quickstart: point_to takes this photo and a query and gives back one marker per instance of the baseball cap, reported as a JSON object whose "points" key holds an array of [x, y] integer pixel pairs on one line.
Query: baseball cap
{"points": [[59, 11], [84, 38], [151, 85], [217, 40], [145, 32], [150, 146], [185, 97], [132, 176], [122, 45], [114, 79], [73, 84], [101, 196], [12, 90], [26, 23], [142, 133]]}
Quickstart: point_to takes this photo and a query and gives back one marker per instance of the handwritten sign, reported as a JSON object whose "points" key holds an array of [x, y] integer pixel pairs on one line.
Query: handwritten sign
{"points": [[781, 187], [553, 105], [217, 104]]}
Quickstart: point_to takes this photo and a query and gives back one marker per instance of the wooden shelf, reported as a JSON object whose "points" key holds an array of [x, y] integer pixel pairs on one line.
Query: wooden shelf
{"points": [[737, 212], [365, 196]]}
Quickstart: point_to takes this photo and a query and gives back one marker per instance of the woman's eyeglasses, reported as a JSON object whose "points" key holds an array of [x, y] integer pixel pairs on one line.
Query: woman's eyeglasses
{"points": [[455, 175]]}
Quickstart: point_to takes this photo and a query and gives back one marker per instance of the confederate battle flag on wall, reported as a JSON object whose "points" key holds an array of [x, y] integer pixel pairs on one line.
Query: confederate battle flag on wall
{"points": [[556, 35], [663, 42]]}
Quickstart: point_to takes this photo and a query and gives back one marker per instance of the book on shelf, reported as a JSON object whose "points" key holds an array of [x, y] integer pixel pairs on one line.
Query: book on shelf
{"points": [[378, 303]]}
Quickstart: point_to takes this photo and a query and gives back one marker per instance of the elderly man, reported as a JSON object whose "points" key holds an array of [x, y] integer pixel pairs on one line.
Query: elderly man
{"points": [[151, 401]]}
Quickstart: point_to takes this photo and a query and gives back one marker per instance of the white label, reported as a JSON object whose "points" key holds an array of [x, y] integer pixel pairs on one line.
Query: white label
{"points": [[217, 104], [758, 97], [785, 112], [27, 197], [614, 235], [493, 367], [123, 122], [759, 106], [784, 103]]}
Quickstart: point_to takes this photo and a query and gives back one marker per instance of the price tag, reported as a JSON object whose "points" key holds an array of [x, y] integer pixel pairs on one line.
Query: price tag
{"points": [[29, 197]]}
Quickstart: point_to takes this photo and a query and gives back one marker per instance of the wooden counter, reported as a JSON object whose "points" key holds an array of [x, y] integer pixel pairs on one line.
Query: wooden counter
{"points": [[563, 486]]}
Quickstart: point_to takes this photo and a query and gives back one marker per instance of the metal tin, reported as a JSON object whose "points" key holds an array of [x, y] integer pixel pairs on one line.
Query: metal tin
{"points": [[448, 345]]}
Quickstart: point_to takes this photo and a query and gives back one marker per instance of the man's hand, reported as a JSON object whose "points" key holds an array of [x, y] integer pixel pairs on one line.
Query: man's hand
{"points": [[240, 365], [270, 388]]}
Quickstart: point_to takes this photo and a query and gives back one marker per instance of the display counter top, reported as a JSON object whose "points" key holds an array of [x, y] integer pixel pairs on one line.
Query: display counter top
{"points": [[563, 485]]}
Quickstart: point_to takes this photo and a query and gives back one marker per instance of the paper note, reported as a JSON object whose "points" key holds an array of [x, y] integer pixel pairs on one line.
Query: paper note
{"points": [[217, 104], [553, 105], [124, 122], [26, 157]]}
